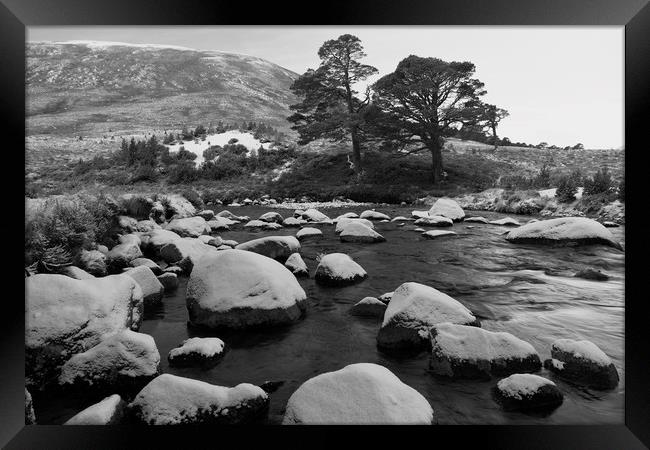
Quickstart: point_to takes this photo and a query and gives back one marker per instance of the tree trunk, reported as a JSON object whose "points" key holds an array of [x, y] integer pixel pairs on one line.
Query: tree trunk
{"points": [[356, 151], [494, 134], [436, 162]]}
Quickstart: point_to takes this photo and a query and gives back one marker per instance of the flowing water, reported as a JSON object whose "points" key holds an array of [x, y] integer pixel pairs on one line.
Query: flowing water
{"points": [[526, 290]]}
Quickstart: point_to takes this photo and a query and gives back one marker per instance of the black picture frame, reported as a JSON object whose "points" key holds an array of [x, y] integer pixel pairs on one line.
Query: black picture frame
{"points": [[15, 15]]}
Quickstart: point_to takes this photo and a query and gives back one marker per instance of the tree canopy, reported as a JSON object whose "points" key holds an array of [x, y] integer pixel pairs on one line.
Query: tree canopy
{"points": [[330, 106], [423, 101]]}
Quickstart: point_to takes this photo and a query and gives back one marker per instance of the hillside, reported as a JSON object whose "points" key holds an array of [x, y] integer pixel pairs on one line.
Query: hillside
{"points": [[104, 91]]}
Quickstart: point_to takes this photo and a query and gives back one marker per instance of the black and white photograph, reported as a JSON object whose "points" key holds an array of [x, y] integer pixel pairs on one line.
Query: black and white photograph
{"points": [[325, 225]]}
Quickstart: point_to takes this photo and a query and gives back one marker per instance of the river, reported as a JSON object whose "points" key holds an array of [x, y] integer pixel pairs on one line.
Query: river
{"points": [[526, 290]]}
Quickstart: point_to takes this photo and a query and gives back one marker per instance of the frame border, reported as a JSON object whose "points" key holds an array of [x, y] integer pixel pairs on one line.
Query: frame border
{"points": [[15, 15]]}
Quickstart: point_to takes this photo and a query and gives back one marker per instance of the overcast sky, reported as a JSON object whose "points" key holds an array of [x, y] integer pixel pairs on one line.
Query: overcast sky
{"points": [[562, 85]]}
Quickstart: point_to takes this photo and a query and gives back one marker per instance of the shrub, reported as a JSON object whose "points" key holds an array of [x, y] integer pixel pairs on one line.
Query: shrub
{"points": [[600, 182], [567, 186], [194, 198], [144, 173], [621, 190], [183, 172]]}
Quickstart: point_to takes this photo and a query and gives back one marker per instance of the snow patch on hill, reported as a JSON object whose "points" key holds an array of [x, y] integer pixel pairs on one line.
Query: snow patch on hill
{"points": [[198, 146]]}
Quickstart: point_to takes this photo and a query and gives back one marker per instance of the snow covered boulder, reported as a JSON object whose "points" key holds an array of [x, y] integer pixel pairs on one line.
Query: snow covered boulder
{"points": [[197, 352], [152, 289], [313, 215], [525, 391], [293, 222], [189, 227], [506, 221], [369, 306], [459, 351], [125, 361], [241, 289], [358, 232], [121, 255], [420, 214], [109, 411], [262, 225], [130, 238], [434, 221], [207, 214], [563, 230], [592, 274], [185, 252], [432, 234], [30, 417], [343, 222], [173, 400], [127, 223], [401, 219], [373, 215], [157, 239], [338, 269], [93, 262], [477, 219], [309, 233], [214, 241], [178, 206], [448, 208], [582, 362], [64, 316], [146, 262], [413, 309], [75, 272], [385, 298], [169, 281], [275, 247], [296, 265], [348, 215], [272, 216], [220, 224], [228, 215], [357, 394]]}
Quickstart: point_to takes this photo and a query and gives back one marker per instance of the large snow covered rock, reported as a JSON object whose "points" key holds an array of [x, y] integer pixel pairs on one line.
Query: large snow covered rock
{"points": [[189, 226], [64, 316], [109, 411], [121, 255], [272, 216], [75, 272], [185, 252], [433, 234], [178, 206], [155, 268], [413, 309], [362, 393], [228, 215], [338, 269], [309, 233], [296, 265], [173, 400], [152, 289], [477, 219], [275, 247], [357, 232], [563, 230], [344, 221], [313, 215], [169, 281], [369, 306], [434, 221], [262, 225], [156, 239], [293, 222], [240, 289], [207, 214], [582, 362], [197, 351], [506, 221], [460, 351], [448, 208], [220, 223], [527, 391], [124, 361], [348, 215], [373, 215], [93, 262]]}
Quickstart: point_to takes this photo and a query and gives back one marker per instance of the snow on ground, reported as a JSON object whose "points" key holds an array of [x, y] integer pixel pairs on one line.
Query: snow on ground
{"points": [[197, 146], [550, 193]]}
